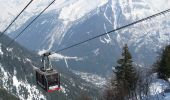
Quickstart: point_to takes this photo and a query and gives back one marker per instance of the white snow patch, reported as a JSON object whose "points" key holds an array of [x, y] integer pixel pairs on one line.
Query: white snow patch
{"points": [[9, 49], [27, 59], [79, 9], [1, 53], [109, 20], [43, 22], [4, 77], [15, 80], [96, 51], [63, 90], [19, 58], [106, 39], [32, 89], [101, 40], [158, 86], [66, 62]]}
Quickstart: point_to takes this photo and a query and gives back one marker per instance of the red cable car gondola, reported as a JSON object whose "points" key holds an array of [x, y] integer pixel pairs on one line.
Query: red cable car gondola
{"points": [[46, 77]]}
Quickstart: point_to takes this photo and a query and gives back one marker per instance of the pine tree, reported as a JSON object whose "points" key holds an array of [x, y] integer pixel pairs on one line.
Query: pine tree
{"points": [[163, 64], [123, 84], [126, 74]]}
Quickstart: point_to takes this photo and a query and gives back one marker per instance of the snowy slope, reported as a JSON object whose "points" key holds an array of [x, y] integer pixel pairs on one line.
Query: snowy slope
{"points": [[17, 74], [18, 85]]}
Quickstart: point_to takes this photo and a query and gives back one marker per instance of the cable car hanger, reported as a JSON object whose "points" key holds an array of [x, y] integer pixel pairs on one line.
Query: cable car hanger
{"points": [[47, 77]]}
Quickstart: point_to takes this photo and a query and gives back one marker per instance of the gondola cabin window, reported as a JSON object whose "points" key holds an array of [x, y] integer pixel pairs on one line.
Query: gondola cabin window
{"points": [[52, 79]]}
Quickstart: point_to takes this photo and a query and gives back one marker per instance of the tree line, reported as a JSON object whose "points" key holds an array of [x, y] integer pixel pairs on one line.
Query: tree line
{"points": [[129, 81]]}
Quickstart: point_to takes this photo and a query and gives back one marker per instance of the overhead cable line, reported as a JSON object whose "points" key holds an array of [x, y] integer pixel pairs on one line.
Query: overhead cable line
{"points": [[122, 27], [30, 23], [15, 18]]}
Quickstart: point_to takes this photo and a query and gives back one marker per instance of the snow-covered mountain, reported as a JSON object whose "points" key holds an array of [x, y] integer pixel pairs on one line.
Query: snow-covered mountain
{"points": [[10, 8], [70, 21]]}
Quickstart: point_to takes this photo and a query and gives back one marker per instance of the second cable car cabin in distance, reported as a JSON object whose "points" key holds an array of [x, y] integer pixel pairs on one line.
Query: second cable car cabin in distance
{"points": [[46, 77]]}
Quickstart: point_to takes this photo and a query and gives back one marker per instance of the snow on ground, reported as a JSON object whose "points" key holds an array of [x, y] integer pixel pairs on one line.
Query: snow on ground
{"points": [[4, 77], [1, 53], [158, 86], [63, 90], [66, 63], [9, 82], [9, 49], [27, 59], [92, 78], [35, 93]]}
